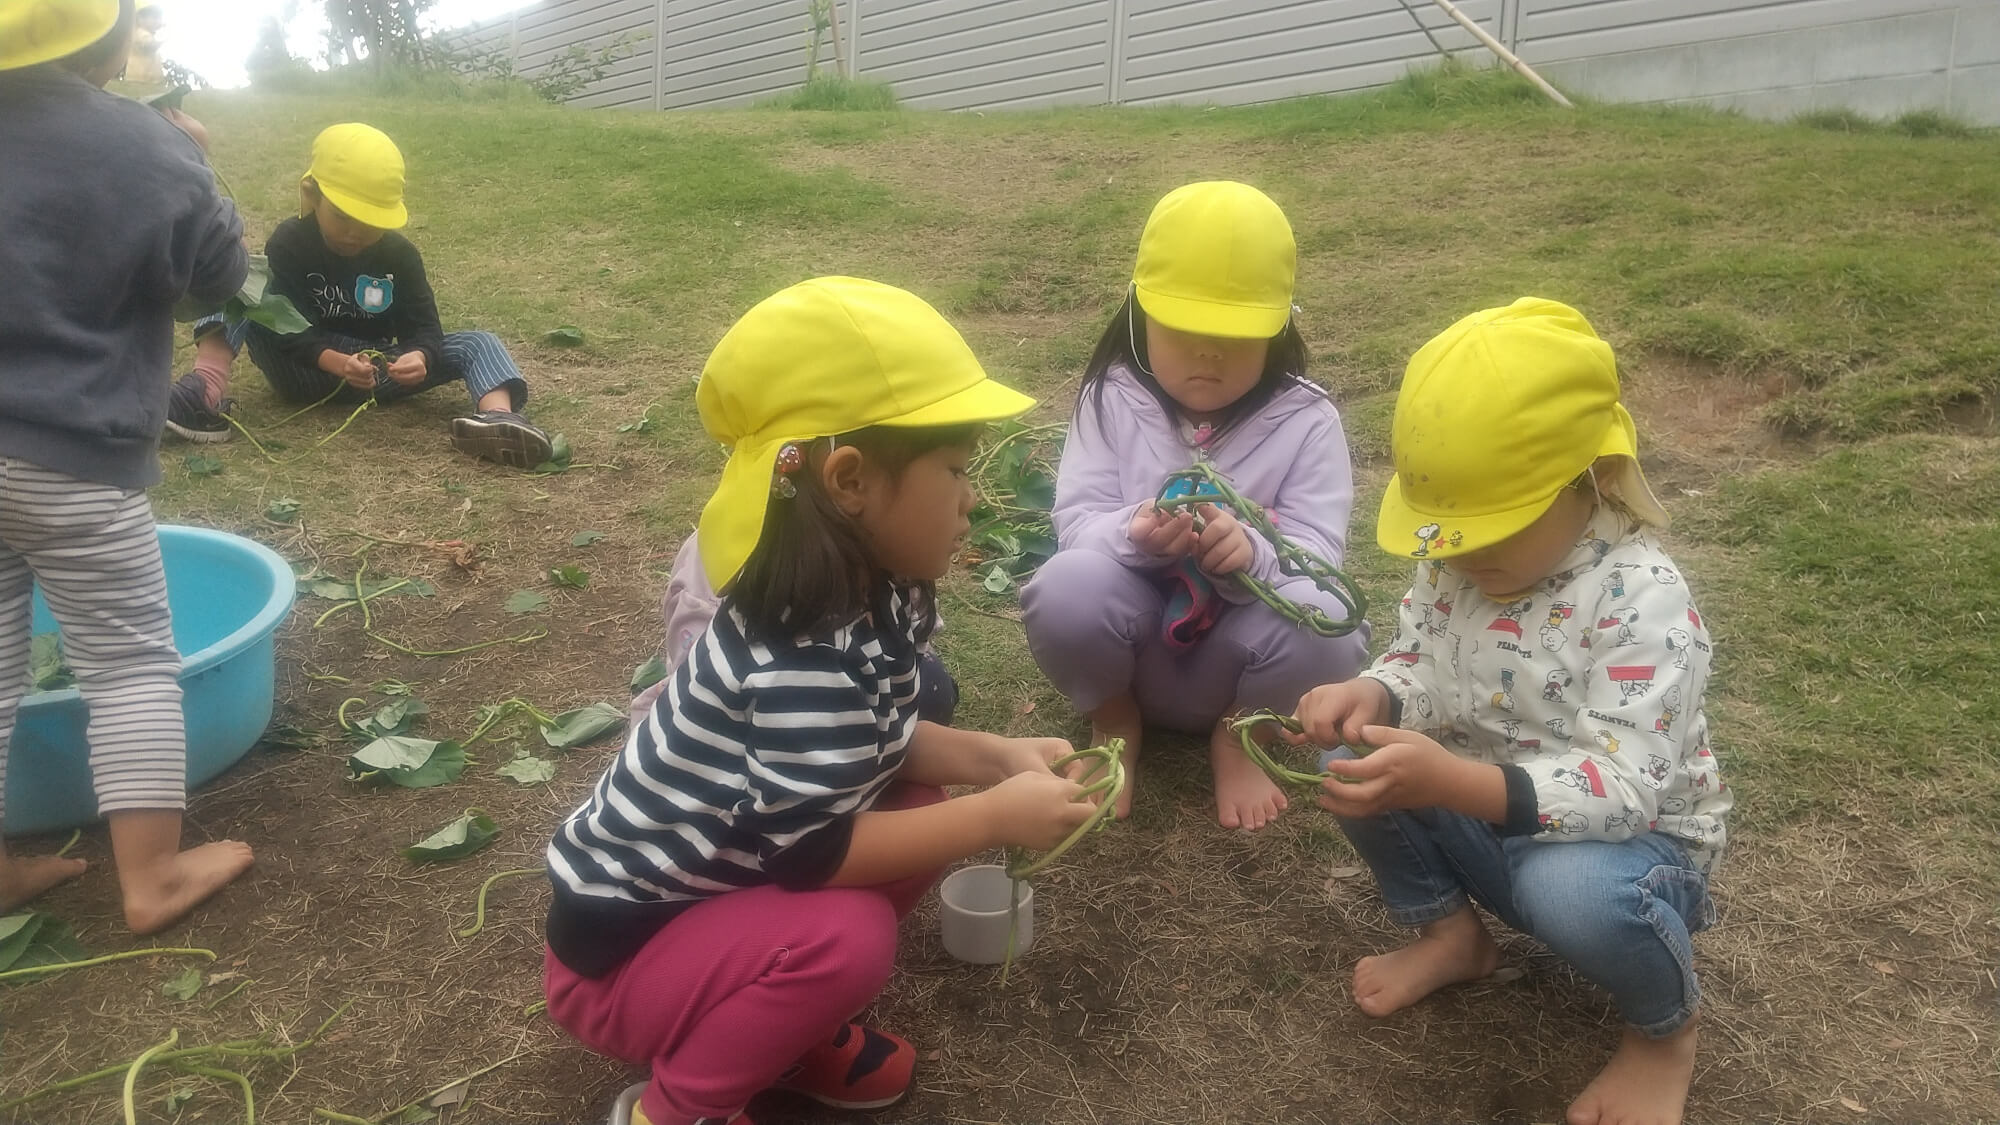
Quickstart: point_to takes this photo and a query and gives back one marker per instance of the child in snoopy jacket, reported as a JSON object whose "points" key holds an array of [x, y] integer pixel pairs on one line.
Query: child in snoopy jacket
{"points": [[1539, 743]]}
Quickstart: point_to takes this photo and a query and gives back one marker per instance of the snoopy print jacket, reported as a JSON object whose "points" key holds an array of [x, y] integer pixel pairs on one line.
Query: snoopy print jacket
{"points": [[1586, 690]]}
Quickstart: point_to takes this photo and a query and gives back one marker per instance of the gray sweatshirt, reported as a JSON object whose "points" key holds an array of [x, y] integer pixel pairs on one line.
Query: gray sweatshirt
{"points": [[109, 216]]}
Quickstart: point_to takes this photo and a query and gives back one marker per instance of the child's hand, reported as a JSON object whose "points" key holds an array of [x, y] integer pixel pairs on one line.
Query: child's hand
{"points": [[408, 369], [1006, 757], [1035, 810], [1336, 713], [1158, 533], [194, 129], [354, 370], [1223, 548], [1406, 770]]}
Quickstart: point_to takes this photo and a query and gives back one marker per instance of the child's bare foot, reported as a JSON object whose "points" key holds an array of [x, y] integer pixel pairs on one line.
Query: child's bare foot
{"points": [[158, 897], [1119, 718], [1244, 797], [1645, 1083], [1451, 950], [25, 878]]}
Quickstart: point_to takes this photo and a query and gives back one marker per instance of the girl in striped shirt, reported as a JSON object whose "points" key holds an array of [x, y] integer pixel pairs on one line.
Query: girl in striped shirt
{"points": [[726, 901]]}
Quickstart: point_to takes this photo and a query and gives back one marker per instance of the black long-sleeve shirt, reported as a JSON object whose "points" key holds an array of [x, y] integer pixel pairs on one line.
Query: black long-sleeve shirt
{"points": [[380, 295]]}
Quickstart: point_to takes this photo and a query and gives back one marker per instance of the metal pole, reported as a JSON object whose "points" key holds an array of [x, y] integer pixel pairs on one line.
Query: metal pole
{"points": [[1425, 28], [1506, 56]]}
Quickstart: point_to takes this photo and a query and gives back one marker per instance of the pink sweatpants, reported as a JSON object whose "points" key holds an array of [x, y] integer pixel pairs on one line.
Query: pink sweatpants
{"points": [[733, 991]]}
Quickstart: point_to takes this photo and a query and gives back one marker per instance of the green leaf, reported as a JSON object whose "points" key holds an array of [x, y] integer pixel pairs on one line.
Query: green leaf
{"points": [[46, 664], [566, 336], [646, 424], [585, 538], [646, 675], [528, 770], [415, 1115], [1036, 490], [997, 580], [412, 763], [527, 601], [583, 726], [184, 984], [342, 589], [202, 465], [17, 933], [574, 577], [398, 715], [559, 455], [180, 1095], [282, 510], [390, 687], [456, 840], [286, 736], [275, 312], [53, 944]]}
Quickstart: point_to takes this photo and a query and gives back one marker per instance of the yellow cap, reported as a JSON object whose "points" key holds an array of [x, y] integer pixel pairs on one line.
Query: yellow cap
{"points": [[39, 31], [823, 358], [1496, 415], [1217, 259], [360, 170]]}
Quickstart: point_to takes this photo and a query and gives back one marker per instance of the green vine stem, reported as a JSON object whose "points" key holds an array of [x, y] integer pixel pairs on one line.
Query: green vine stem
{"points": [[1208, 486], [525, 638], [500, 713], [249, 1097], [37, 970], [138, 1064], [350, 1119], [258, 1048], [74, 836], [1246, 726], [1108, 760], [479, 906]]}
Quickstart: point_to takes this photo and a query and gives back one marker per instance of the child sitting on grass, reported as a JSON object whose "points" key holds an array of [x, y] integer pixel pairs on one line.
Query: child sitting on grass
{"points": [[363, 287], [1540, 743], [86, 340], [727, 900]]}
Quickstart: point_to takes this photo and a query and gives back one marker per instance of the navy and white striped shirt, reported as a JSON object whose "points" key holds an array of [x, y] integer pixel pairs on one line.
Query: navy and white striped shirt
{"points": [[749, 770]]}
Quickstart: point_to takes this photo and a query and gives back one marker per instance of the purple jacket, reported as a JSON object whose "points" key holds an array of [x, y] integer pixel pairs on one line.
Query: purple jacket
{"points": [[1291, 457]]}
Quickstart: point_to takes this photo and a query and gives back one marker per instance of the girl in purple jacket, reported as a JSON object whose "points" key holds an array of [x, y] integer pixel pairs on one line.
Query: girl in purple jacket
{"points": [[1134, 618]]}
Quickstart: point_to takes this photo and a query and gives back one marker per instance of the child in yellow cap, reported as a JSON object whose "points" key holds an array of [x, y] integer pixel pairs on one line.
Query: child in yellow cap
{"points": [[727, 899], [1135, 618], [363, 287], [94, 272], [1540, 743]]}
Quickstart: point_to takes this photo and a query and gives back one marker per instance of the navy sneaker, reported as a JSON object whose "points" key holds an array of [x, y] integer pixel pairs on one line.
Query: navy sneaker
{"points": [[188, 415], [501, 436]]}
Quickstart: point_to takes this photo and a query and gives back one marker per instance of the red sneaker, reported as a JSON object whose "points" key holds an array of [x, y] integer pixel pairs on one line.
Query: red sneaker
{"points": [[859, 1068]]}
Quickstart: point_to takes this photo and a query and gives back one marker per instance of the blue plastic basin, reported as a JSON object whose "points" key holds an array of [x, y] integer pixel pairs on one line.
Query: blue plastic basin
{"points": [[228, 594]]}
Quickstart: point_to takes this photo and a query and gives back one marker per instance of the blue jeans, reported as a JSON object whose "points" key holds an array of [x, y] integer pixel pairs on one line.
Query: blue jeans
{"points": [[1621, 912]]}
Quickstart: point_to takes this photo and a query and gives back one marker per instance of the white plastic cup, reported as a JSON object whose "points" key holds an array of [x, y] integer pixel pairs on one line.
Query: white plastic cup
{"points": [[972, 914]]}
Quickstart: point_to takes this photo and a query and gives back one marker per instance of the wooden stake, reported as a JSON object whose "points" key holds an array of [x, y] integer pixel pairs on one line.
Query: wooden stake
{"points": [[1506, 56], [840, 66]]}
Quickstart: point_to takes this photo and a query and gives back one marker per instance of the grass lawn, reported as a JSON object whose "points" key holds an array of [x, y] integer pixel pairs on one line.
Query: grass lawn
{"points": [[1806, 322]]}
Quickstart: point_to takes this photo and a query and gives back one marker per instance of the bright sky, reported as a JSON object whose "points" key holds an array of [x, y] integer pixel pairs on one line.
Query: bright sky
{"points": [[213, 37]]}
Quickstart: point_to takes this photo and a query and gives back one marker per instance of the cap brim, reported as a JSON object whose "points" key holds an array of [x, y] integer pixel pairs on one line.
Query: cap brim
{"points": [[1207, 318], [360, 210], [733, 518], [984, 401], [1627, 483], [1397, 526]]}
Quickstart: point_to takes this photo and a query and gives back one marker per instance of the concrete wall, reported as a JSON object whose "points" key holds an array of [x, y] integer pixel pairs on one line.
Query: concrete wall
{"points": [[1879, 57], [1771, 58]]}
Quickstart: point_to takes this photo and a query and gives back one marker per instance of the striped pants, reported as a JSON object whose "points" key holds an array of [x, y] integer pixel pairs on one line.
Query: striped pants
{"points": [[478, 359], [97, 555]]}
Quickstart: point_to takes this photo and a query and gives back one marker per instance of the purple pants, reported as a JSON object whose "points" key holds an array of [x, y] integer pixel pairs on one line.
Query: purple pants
{"points": [[1094, 627]]}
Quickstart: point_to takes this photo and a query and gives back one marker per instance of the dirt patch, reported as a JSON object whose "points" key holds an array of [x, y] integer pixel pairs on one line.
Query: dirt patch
{"points": [[1698, 425]]}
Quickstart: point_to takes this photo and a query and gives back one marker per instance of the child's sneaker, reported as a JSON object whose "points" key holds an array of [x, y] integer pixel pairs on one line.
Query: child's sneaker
{"points": [[501, 436], [188, 415], [860, 1068], [626, 1111]]}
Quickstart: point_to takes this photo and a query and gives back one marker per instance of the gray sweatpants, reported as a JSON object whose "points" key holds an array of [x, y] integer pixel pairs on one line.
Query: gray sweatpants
{"points": [[97, 555]]}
